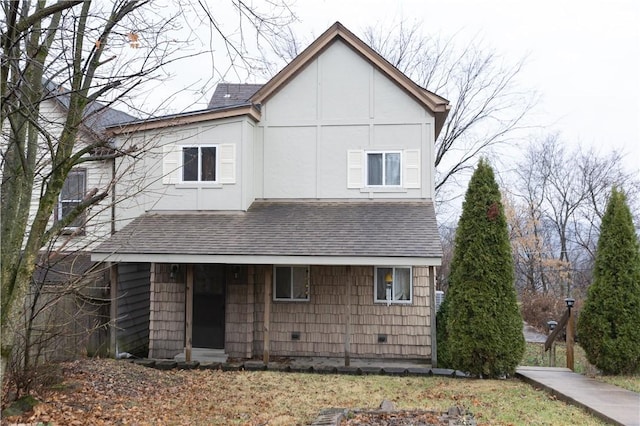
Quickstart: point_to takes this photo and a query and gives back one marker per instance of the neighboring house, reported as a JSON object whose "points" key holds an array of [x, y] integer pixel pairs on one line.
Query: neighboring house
{"points": [[293, 218]]}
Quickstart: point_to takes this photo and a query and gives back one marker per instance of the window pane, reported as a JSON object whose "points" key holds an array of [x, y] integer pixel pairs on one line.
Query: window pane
{"points": [[392, 169], [208, 163], [300, 283], [283, 282], [402, 284], [374, 169], [381, 285], [73, 188], [189, 164], [65, 208]]}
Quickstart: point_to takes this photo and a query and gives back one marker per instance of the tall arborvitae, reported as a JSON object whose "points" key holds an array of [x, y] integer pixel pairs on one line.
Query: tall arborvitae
{"points": [[483, 323], [609, 322]]}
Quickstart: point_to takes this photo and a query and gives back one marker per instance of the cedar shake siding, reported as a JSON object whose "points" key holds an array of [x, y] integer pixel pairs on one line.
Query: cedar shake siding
{"points": [[167, 312], [321, 322]]}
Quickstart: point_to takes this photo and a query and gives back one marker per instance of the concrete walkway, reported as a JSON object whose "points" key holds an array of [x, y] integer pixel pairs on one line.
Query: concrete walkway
{"points": [[610, 403]]}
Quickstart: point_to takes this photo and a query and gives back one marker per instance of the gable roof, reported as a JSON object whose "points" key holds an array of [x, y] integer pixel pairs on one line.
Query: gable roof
{"points": [[96, 117], [238, 94], [230, 94], [438, 105], [285, 232]]}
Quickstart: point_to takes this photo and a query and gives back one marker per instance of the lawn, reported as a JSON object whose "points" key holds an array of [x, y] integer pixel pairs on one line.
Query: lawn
{"points": [[117, 392]]}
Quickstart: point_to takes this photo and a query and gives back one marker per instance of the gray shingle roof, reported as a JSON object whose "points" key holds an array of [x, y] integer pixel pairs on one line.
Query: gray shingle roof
{"points": [[314, 228], [229, 94]]}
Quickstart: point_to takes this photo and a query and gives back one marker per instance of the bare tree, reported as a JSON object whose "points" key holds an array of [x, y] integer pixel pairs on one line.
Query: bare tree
{"points": [[87, 56], [558, 199], [487, 104]]}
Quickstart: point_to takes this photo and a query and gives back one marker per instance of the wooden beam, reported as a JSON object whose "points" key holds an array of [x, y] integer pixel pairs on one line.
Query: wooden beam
{"points": [[189, 314], [267, 312], [113, 309], [347, 332], [432, 298], [570, 334]]}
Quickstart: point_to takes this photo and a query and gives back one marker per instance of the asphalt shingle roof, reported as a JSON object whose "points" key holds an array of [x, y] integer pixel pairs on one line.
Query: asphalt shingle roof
{"points": [[297, 228], [230, 94]]}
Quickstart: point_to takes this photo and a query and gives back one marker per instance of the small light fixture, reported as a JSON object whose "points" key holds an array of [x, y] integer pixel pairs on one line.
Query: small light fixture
{"points": [[173, 271], [570, 302], [388, 279], [236, 272], [552, 325]]}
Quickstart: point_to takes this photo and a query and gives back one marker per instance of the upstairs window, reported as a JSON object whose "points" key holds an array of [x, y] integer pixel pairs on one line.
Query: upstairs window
{"points": [[393, 284], [291, 283], [72, 194], [384, 168], [199, 163]]}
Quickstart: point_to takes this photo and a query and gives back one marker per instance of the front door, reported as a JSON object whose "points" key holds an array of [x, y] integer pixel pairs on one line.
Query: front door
{"points": [[208, 306]]}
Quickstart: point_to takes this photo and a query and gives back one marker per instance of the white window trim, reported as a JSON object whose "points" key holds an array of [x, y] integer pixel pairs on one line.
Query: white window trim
{"points": [[383, 152], [276, 299], [392, 302], [198, 182]]}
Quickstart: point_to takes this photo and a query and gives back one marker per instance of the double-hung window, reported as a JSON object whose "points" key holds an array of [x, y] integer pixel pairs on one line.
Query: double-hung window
{"points": [[71, 195], [291, 283], [199, 163], [384, 168], [393, 284]]}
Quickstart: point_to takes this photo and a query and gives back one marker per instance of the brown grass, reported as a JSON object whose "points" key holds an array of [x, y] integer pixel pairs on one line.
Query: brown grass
{"points": [[116, 392]]}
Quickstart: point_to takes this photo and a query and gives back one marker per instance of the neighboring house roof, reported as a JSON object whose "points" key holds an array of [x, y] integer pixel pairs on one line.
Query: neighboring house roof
{"points": [[438, 105], [229, 94], [97, 116], [66, 268], [285, 232]]}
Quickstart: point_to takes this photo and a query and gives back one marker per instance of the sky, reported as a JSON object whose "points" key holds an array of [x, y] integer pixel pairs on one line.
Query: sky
{"points": [[582, 58]]}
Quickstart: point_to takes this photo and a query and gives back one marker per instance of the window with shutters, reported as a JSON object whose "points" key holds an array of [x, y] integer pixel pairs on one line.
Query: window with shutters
{"points": [[199, 163], [71, 195]]}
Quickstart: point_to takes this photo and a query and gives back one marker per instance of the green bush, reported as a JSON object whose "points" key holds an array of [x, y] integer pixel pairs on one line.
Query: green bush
{"points": [[483, 334], [609, 323]]}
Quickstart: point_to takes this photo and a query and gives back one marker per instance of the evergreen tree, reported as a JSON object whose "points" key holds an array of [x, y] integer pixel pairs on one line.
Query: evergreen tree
{"points": [[483, 323], [609, 322]]}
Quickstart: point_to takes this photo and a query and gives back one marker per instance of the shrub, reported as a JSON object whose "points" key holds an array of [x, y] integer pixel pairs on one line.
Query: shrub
{"points": [[539, 308], [483, 323], [609, 324]]}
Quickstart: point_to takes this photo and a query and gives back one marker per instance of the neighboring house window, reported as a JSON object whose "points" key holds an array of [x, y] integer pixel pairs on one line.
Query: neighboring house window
{"points": [[72, 194], [291, 283], [383, 168], [398, 279], [199, 163]]}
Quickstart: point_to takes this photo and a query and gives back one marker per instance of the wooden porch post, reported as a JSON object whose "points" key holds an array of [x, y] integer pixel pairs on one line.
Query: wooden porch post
{"points": [[267, 312], [432, 297], [113, 309], [347, 334], [189, 313]]}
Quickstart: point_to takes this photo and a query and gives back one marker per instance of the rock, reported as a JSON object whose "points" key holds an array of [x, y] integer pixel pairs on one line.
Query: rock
{"points": [[387, 405]]}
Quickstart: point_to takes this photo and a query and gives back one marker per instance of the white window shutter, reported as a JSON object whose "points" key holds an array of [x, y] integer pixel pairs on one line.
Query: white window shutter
{"points": [[355, 168], [227, 163], [412, 168], [170, 164]]}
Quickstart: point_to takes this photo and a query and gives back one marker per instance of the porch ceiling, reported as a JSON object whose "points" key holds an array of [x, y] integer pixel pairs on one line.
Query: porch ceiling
{"points": [[289, 232]]}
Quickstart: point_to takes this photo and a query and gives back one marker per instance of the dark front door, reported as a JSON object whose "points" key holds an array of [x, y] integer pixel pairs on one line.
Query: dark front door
{"points": [[208, 306]]}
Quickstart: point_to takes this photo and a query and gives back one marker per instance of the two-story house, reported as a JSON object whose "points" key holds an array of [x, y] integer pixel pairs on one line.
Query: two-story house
{"points": [[294, 218]]}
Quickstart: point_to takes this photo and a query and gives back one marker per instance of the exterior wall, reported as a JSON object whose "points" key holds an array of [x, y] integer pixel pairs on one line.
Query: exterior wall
{"points": [[167, 313], [322, 321], [98, 175], [239, 314], [152, 182], [133, 308], [309, 126]]}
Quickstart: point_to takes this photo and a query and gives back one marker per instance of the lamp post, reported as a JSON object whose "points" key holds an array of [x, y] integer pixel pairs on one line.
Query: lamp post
{"points": [[570, 332], [552, 353]]}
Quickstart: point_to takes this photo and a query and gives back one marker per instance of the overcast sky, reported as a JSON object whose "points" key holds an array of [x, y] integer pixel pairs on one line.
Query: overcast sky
{"points": [[582, 57]]}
